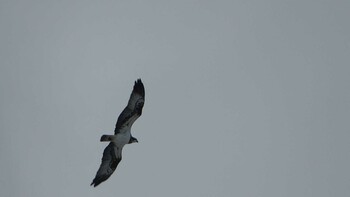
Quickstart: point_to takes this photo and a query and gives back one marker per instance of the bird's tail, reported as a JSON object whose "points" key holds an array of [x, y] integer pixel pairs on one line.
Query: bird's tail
{"points": [[106, 138]]}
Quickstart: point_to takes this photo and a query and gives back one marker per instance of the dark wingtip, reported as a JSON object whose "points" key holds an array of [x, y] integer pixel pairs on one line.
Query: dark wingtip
{"points": [[139, 88], [94, 183]]}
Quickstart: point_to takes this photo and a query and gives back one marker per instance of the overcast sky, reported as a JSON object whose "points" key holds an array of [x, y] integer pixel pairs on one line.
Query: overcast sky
{"points": [[243, 98]]}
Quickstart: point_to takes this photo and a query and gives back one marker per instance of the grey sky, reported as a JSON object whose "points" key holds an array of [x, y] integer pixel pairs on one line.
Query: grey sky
{"points": [[243, 98]]}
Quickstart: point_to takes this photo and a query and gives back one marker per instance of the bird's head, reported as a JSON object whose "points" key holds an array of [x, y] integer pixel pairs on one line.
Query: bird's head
{"points": [[133, 140]]}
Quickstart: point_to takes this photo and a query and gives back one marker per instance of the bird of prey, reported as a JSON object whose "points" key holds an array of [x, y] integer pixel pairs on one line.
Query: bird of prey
{"points": [[112, 154]]}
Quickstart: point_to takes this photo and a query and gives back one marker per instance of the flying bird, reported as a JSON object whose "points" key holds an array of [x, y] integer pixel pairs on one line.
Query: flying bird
{"points": [[112, 154]]}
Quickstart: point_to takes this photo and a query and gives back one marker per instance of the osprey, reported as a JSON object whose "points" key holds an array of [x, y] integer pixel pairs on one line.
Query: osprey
{"points": [[112, 154]]}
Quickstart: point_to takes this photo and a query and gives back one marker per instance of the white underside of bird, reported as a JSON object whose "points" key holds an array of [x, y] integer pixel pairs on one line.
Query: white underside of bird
{"points": [[119, 140]]}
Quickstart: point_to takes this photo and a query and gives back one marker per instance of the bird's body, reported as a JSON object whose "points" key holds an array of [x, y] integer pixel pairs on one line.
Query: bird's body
{"points": [[112, 154], [121, 139]]}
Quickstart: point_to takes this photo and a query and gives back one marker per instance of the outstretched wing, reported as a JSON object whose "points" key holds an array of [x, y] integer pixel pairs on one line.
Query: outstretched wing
{"points": [[134, 108], [108, 165]]}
